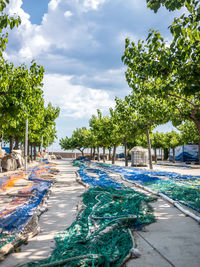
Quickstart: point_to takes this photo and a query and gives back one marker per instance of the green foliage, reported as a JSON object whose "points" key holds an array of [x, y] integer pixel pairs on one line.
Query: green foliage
{"points": [[139, 140], [173, 139], [170, 4], [105, 129], [5, 22], [127, 119], [66, 143], [189, 133], [169, 73], [22, 98], [150, 110], [21, 94], [79, 140], [158, 140]]}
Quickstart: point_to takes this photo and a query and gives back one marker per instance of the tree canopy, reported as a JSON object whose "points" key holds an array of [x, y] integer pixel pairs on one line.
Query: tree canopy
{"points": [[79, 140], [21, 94], [169, 72]]}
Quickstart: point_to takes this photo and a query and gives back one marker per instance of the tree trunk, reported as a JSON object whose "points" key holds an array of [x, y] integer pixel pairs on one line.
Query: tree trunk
{"points": [[94, 153], [2, 140], [28, 151], [82, 152], [114, 154], [34, 151], [16, 142], [11, 143], [173, 150], [155, 155], [125, 151], [98, 156], [31, 152], [166, 153], [149, 150], [104, 150], [109, 149], [161, 154], [197, 123]]}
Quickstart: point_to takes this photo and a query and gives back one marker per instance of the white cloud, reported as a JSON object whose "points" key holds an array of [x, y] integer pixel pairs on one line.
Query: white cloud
{"points": [[14, 7], [54, 32], [74, 100], [53, 4], [84, 39], [68, 14], [92, 4]]}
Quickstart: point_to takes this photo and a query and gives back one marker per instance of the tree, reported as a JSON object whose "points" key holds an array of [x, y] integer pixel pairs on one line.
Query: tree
{"points": [[91, 143], [6, 21], [172, 70], [102, 128], [158, 142], [169, 4], [138, 140], [150, 111], [128, 124], [24, 99], [95, 126], [79, 140], [173, 139], [116, 137], [48, 132]]}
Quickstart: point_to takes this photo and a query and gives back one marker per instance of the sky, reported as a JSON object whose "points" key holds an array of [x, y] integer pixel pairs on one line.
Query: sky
{"points": [[80, 44]]}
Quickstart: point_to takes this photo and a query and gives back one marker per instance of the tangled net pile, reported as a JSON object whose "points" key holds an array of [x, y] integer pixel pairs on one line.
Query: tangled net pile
{"points": [[182, 188], [103, 179], [15, 216], [100, 234]]}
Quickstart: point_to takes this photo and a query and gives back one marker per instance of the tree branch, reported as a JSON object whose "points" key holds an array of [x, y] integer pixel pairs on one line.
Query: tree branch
{"points": [[179, 110], [182, 98]]}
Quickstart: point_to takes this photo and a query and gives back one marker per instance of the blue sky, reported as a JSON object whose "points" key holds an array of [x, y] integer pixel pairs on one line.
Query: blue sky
{"points": [[80, 44]]}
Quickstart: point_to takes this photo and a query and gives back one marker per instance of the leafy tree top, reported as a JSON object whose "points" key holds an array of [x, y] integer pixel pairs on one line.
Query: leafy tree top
{"points": [[189, 133], [170, 4], [6, 21]]}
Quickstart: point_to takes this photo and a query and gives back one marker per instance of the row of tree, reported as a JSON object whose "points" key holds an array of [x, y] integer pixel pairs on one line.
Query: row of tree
{"points": [[109, 133], [164, 79], [21, 97]]}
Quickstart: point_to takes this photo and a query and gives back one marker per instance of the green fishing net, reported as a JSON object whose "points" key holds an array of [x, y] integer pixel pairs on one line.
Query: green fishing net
{"points": [[189, 195], [78, 163], [6, 238], [100, 234]]}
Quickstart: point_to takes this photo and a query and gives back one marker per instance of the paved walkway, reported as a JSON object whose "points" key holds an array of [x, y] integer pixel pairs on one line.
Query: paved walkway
{"points": [[174, 240]]}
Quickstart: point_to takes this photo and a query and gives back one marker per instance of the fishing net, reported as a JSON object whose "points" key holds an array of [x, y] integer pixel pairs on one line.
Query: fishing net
{"points": [[182, 188], [100, 234], [102, 179], [134, 171], [189, 196], [8, 182], [6, 238], [78, 163], [18, 212]]}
